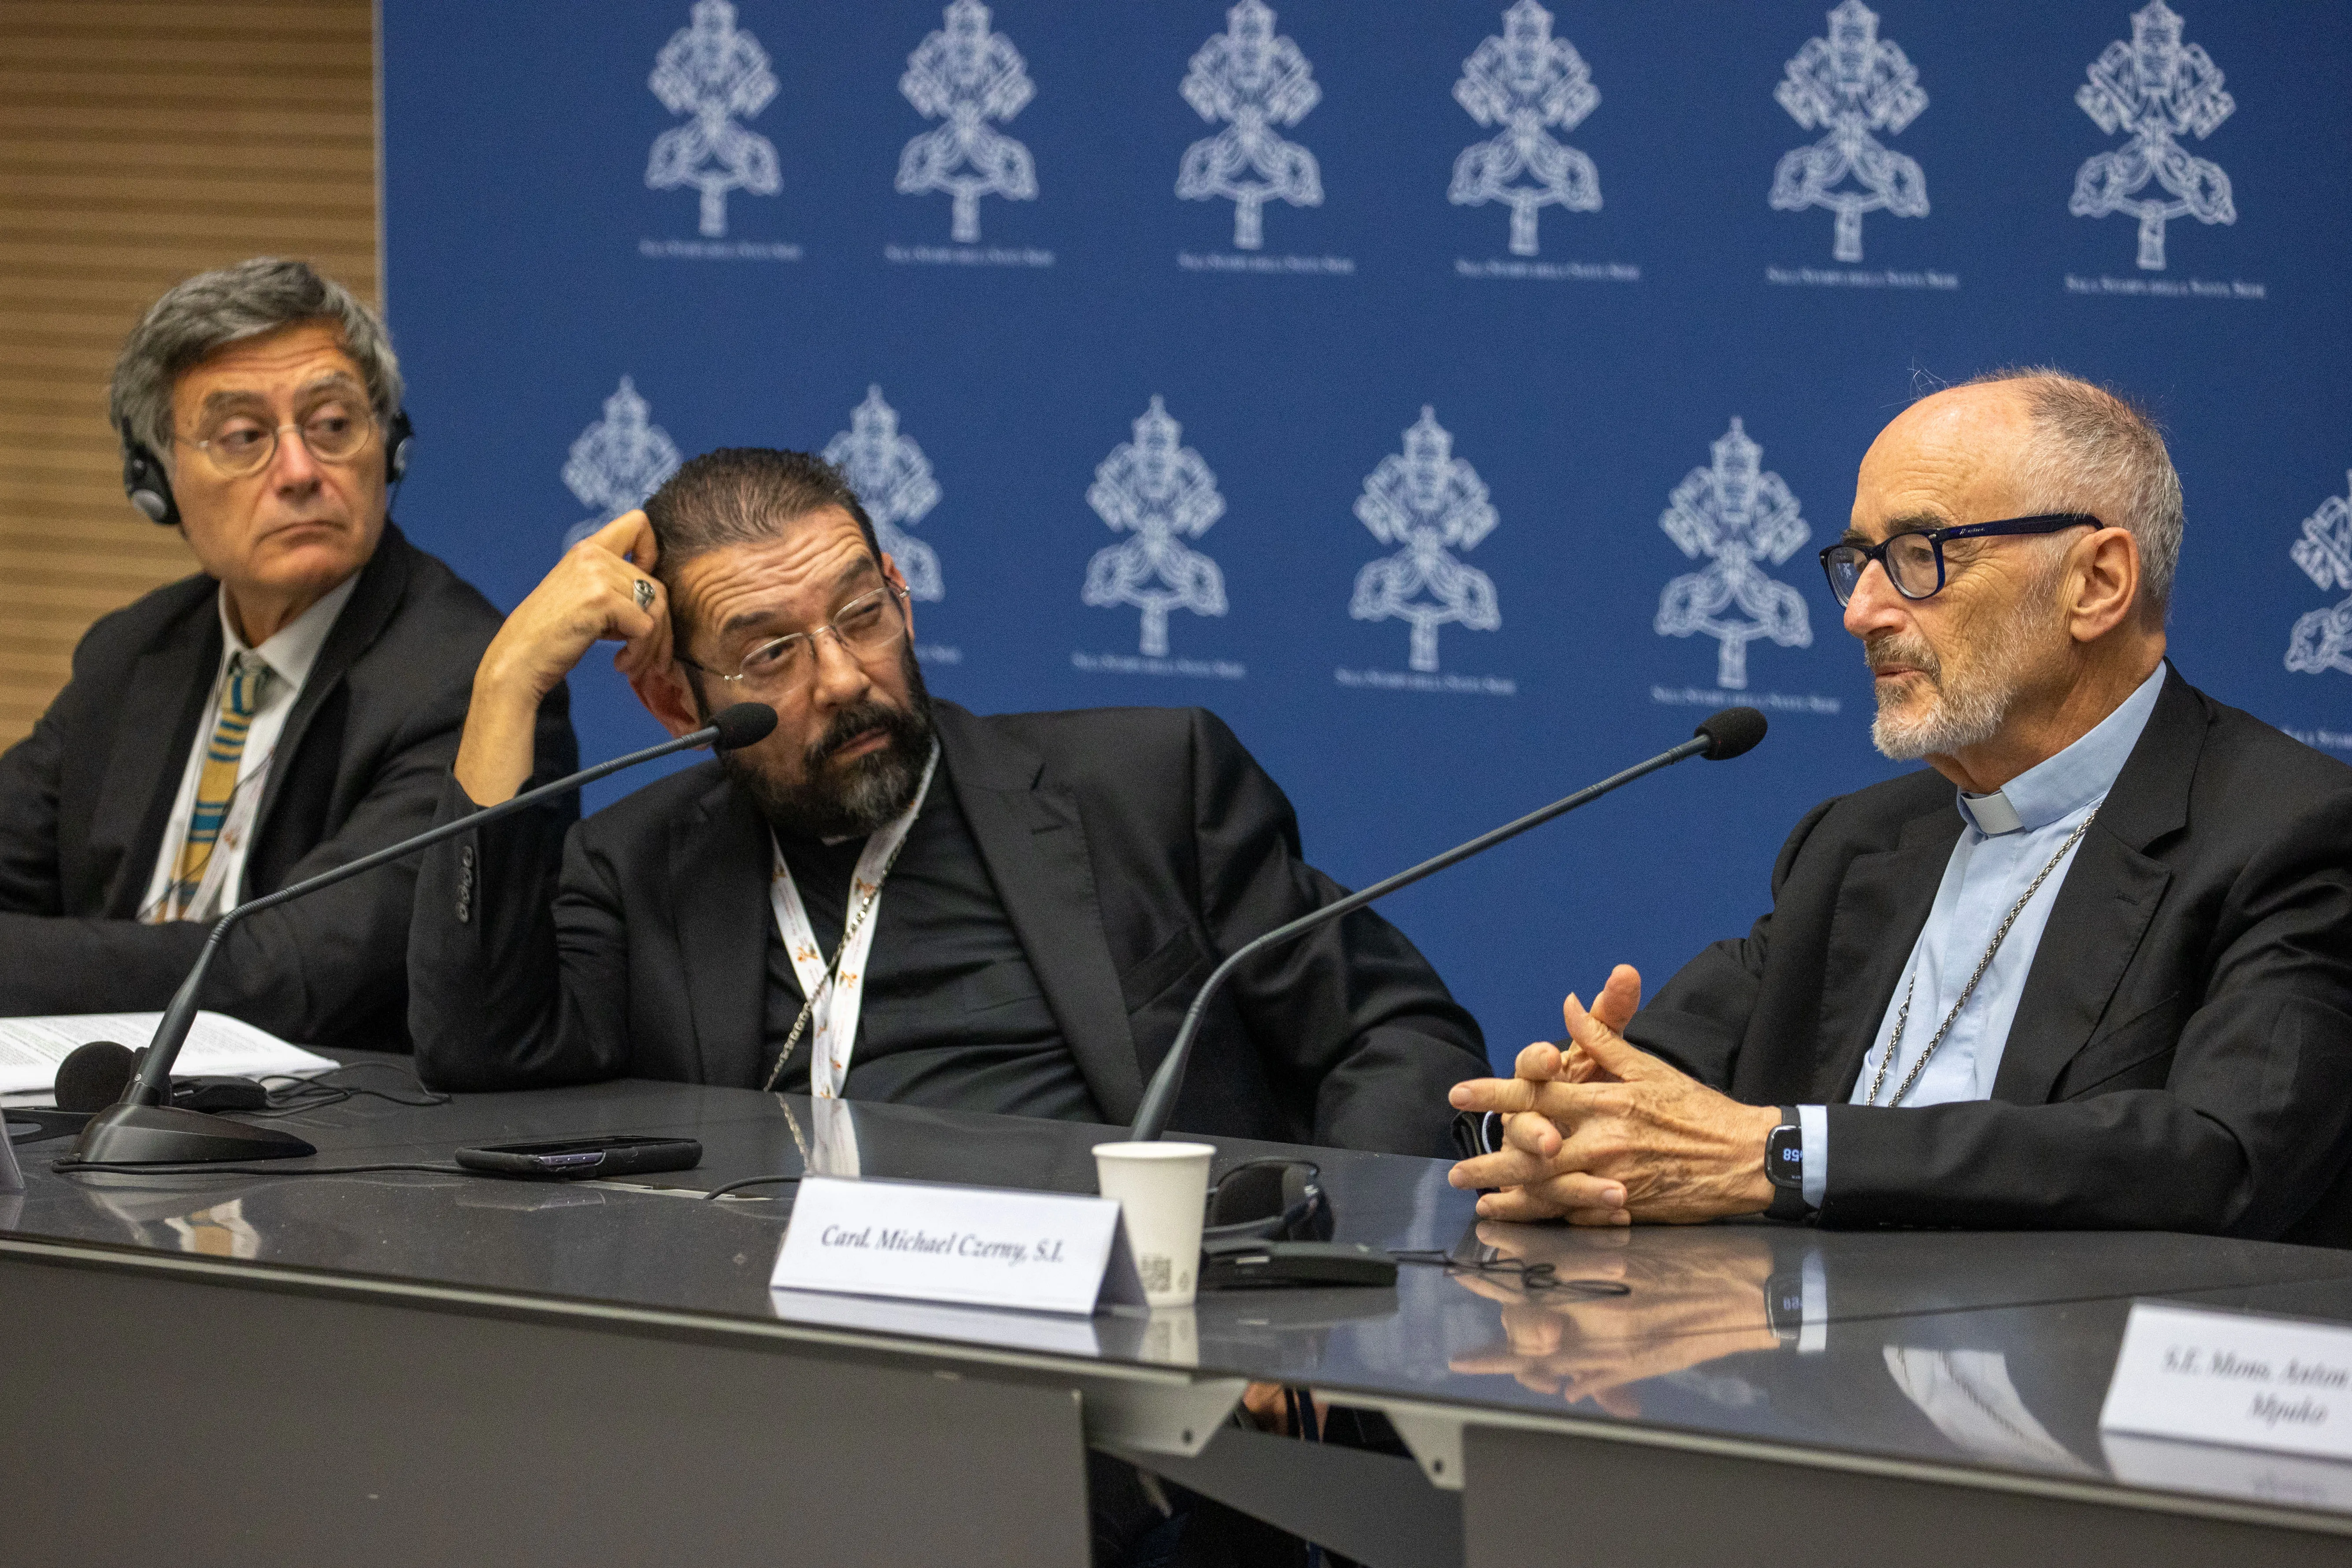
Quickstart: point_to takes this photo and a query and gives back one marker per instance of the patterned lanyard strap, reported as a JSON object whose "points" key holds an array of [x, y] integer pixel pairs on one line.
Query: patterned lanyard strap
{"points": [[870, 889], [1894, 1046]]}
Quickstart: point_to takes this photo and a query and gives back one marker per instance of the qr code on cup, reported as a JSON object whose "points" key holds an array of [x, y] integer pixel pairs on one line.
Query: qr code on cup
{"points": [[1158, 1270]]}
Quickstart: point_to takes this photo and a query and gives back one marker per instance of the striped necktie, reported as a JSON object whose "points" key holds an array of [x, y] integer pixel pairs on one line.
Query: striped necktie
{"points": [[249, 682]]}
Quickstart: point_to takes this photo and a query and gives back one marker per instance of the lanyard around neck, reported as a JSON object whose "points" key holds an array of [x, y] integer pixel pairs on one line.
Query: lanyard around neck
{"points": [[835, 992]]}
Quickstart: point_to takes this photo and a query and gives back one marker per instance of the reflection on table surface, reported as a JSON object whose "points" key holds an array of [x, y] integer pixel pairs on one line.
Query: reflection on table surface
{"points": [[1691, 1297], [1983, 1348]]}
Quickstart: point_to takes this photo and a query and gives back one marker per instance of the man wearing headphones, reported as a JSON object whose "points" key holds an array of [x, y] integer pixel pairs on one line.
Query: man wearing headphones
{"points": [[295, 705]]}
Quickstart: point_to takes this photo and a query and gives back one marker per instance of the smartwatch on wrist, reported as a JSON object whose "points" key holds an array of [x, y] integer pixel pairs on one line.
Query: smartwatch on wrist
{"points": [[1784, 1167]]}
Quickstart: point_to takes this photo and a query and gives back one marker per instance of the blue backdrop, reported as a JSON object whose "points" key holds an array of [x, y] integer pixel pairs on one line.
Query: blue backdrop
{"points": [[1454, 399]]}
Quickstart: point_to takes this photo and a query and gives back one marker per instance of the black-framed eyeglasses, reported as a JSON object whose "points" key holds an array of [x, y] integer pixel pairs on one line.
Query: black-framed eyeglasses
{"points": [[1913, 561], [781, 667]]}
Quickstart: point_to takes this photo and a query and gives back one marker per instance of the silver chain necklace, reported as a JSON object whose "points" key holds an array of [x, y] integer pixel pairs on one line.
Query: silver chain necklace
{"points": [[1895, 1044]]}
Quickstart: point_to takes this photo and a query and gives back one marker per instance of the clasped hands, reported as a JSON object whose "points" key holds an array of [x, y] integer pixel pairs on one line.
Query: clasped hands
{"points": [[1605, 1133]]}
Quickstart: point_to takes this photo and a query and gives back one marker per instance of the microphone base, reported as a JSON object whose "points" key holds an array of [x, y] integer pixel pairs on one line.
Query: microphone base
{"points": [[160, 1135]]}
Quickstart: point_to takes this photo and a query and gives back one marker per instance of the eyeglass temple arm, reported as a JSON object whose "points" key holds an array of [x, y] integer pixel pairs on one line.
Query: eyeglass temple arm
{"points": [[2044, 522]]}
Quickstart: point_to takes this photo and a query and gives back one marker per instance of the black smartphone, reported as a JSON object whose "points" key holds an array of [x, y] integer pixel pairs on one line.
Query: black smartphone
{"points": [[569, 1159]]}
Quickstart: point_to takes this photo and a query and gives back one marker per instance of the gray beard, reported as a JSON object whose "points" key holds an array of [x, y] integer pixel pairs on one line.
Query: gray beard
{"points": [[1969, 710], [1964, 715]]}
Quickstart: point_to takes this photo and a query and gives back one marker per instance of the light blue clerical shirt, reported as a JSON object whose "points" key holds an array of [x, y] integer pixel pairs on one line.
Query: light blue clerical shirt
{"points": [[2010, 835]]}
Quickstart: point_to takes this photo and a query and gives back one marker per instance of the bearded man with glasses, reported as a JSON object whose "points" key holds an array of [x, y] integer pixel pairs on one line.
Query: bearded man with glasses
{"points": [[2091, 968], [291, 707], [891, 898]]}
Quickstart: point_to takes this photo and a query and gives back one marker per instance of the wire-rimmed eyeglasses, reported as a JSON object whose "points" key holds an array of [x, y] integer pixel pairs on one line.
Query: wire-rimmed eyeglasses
{"points": [[1913, 561], [333, 432], [781, 667]]}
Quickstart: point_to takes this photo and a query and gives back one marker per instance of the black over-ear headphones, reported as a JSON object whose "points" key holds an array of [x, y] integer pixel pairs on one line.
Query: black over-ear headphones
{"points": [[150, 488]]}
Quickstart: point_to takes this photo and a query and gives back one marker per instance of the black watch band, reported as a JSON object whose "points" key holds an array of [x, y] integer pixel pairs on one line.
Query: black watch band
{"points": [[1784, 1167]]}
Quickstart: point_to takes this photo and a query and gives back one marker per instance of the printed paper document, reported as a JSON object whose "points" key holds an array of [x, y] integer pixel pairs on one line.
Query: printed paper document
{"points": [[31, 1048]]}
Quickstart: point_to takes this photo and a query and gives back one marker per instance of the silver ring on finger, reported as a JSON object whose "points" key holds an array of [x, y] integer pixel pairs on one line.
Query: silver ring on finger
{"points": [[644, 592]]}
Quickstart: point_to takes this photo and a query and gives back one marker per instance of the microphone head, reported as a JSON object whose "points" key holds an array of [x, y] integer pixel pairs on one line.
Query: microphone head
{"points": [[1730, 732], [92, 1077], [745, 724]]}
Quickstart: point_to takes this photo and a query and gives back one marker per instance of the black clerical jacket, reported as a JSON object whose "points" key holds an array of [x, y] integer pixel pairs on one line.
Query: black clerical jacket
{"points": [[1132, 849], [361, 763], [2181, 1056]]}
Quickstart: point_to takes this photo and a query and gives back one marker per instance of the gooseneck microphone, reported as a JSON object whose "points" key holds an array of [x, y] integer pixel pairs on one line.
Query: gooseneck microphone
{"points": [[1723, 736], [142, 1128]]}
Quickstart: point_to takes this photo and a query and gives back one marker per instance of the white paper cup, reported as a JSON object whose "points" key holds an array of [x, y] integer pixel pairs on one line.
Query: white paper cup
{"points": [[1162, 1189]]}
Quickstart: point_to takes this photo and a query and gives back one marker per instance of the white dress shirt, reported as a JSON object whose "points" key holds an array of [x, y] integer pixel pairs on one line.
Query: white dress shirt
{"points": [[2010, 834], [289, 653]]}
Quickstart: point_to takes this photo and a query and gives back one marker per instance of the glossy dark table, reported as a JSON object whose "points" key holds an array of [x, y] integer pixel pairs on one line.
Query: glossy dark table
{"points": [[411, 1368]]}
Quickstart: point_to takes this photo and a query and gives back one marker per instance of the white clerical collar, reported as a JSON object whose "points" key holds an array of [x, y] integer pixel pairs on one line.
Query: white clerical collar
{"points": [[2059, 786], [1991, 815], [292, 649]]}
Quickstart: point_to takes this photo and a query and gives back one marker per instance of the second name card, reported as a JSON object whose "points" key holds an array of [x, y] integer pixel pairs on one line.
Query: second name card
{"points": [[2233, 1377]]}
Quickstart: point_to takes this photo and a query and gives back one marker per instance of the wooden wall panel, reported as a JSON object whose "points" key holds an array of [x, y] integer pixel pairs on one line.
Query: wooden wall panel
{"points": [[141, 141]]}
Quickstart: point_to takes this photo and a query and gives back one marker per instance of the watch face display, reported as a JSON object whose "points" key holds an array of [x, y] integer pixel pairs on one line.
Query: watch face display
{"points": [[1784, 1157]]}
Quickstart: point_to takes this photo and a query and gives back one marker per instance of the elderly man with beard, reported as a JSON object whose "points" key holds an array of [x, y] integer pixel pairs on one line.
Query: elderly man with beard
{"points": [[891, 898], [2092, 968]]}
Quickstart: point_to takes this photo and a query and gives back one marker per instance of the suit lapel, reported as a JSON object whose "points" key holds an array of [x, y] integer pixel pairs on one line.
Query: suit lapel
{"points": [[720, 864], [374, 600], [2103, 909], [1032, 837], [162, 709], [1882, 903]]}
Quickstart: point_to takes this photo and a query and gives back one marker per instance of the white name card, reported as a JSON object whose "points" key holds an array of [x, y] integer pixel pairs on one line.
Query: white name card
{"points": [[983, 1246], [2233, 1377]]}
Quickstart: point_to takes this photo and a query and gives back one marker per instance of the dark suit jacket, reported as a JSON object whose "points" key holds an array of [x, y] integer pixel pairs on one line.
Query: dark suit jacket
{"points": [[2182, 1057], [360, 764], [1132, 847]]}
